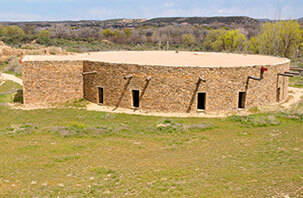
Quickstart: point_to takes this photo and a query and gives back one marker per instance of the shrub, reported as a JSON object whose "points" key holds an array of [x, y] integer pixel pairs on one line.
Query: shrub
{"points": [[44, 37], [55, 50], [199, 127], [169, 126], [292, 116], [256, 120], [31, 46], [19, 96], [107, 33], [13, 65], [14, 31], [188, 39]]}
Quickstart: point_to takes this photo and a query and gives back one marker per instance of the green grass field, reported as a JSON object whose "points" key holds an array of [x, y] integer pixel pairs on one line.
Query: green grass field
{"points": [[296, 82], [70, 152]]}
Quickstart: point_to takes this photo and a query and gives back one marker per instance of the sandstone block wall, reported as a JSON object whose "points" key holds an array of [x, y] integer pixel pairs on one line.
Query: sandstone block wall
{"points": [[174, 89], [47, 82]]}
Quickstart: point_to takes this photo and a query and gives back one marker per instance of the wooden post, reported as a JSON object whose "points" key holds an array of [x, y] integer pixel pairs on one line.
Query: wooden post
{"points": [[285, 75], [128, 77], [254, 78], [293, 73], [202, 79]]}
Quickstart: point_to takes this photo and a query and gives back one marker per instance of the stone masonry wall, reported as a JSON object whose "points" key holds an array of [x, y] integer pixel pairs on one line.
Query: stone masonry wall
{"points": [[174, 89], [46, 82], [171, 89]]}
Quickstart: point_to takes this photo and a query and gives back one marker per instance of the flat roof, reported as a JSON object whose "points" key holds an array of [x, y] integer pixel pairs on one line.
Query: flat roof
{"points": [[166, 58]]}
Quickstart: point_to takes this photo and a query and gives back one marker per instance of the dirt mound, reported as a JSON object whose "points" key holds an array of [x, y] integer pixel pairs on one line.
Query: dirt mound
{"points": [[7, 52]]}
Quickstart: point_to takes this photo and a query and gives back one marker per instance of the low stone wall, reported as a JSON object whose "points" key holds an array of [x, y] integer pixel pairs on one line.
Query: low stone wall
{"points": [[47, 82], [174, 89]]}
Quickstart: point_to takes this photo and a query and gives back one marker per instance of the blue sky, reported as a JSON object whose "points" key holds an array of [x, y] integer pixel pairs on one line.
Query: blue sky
{"points": [[27, 10]]}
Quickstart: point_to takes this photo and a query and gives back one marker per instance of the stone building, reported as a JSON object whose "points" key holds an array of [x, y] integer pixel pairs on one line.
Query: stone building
{"points": [[184, 82]]}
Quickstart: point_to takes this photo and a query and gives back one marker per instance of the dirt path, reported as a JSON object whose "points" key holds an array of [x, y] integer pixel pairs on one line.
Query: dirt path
{"points": [[11, 77], [295, 96], [96, 107]]}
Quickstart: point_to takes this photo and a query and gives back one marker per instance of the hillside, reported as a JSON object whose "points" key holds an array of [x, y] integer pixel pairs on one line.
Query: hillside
{"points": [[201, 21], [157, 22]]}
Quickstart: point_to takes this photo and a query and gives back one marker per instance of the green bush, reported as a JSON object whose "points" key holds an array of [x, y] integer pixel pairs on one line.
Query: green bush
{"points": [[292, 116], [19, 96], [31, 46], [256, 120]]}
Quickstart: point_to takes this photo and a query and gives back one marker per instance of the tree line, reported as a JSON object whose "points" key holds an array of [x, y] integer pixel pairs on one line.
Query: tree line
{"points": [[283, 38]]}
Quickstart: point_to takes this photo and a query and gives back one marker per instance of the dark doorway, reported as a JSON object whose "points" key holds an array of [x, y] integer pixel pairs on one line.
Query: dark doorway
{"points": [[242, 97], [135, 98], [100, 93], [278, 94], [201, 101]]}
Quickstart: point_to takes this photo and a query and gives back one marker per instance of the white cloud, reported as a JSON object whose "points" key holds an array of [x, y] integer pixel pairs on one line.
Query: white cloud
{"points": [[9, 16]]}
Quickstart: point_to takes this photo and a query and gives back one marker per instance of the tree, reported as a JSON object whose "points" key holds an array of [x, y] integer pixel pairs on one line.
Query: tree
{"points": [[127, 32], [211, 37], [300, 50], [14, 31], [107, 33], [2, 30], [253, 45], [289, 38], [188, 39], [281, 38], [231, 41], [30, 29], [117, 33], [44, 37]]}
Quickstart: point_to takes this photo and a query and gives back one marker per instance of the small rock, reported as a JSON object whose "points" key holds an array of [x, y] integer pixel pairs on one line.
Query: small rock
{"points": [[163, 125], [107, 192], [33, 183]]}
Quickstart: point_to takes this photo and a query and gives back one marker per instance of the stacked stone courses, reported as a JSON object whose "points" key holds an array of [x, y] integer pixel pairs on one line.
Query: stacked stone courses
{"points": [[162, 88]]}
